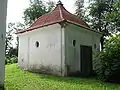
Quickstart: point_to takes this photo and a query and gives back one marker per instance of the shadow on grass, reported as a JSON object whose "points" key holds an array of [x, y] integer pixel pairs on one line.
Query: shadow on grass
{"points": [[81, 81], [91, 81]]}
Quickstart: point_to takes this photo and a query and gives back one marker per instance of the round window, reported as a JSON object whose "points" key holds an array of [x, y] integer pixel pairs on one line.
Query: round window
{"points": [[37, 44]]}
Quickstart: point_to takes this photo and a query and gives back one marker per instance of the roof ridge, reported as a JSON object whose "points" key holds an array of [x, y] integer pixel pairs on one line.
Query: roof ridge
{"points": [[75, 16], [61, 12], [57, 15]]}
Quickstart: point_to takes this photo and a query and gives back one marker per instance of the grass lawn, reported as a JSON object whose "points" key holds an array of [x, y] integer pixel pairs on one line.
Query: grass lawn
{"points": [[16, 79]]}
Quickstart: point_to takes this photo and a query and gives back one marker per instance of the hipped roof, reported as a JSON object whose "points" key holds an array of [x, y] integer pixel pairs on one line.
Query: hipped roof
{"points": [[59, 14]]}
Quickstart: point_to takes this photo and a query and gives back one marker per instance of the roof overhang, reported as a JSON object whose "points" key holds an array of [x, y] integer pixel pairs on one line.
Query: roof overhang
{"points": [[30, 29], [85, 27]]}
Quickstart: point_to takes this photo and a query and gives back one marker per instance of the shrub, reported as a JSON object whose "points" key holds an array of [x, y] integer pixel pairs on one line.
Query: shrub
{"points": [[7, 60], [107, 62], [14, 59], [11, 60]]}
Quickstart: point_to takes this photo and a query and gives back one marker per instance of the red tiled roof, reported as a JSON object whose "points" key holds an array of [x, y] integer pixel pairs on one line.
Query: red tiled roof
{"points": [[59, 14]]}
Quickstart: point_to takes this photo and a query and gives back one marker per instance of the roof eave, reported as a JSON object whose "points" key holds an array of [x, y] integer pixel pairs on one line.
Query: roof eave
{"points": [[30, 29], [83, 26]]}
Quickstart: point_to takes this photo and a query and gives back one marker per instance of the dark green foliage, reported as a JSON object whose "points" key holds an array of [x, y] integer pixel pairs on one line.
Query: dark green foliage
{"points": [[14, 59], [50, 5], [33, 12], [11, 60], [98, 10], [8, 38], [107, 62], [80, 8], [114, 15], [82, 11], [95, 15], [11, 51], [36, 9]]}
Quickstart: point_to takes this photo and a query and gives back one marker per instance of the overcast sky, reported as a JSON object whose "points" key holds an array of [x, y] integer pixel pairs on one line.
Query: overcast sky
{"points": [[16, 8]]}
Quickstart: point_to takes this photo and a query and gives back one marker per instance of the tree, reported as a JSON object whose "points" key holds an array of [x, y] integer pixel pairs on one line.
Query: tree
{"points": [[12, 28], [114, 15], [96, 16], [33, 12], [81, 11], [80, 8], [50, 5], [98, 10], [36, 9], [8, 39], [107, 62]]}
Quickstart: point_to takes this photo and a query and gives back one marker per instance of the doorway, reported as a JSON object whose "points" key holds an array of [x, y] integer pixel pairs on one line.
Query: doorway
{"points": [[86, 60]]}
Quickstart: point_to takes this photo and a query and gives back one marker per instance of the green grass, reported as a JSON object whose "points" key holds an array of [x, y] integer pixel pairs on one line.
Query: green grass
{"points": [[16, 79]]}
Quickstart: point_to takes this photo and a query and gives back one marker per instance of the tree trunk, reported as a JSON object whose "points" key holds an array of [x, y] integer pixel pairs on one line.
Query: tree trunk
{"points": [[102, 42]]}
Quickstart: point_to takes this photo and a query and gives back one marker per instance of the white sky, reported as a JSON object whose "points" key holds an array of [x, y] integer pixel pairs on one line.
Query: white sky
{"points": [[16, 8]]}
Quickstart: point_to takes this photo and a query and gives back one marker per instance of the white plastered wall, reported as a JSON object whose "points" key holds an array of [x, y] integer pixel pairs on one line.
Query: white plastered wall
{"points": [[48, 54], [82, 37]]}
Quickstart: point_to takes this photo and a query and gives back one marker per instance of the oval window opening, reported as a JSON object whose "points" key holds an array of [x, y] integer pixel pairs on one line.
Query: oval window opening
{"points": [[74, 42], [37, 44]]}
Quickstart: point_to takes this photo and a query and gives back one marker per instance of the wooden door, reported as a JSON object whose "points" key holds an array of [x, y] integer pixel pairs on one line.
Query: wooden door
{"points": [[86, 60]]}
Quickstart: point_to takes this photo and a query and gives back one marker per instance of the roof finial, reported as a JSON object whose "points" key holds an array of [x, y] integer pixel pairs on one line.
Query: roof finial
{"points": [[59, 2]]}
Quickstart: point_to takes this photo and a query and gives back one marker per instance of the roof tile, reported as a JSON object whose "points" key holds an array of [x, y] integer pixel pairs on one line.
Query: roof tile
{"points": [[59, 14]]}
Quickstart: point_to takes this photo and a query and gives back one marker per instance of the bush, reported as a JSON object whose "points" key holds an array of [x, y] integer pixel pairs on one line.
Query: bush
{"points": [[11, 60], [107, 62], [14, 59]]}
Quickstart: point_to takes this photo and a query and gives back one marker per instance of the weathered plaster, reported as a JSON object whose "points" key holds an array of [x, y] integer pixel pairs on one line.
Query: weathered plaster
{"points": [[48, 55], [50, 69], [56, 54], [82, 37]]}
